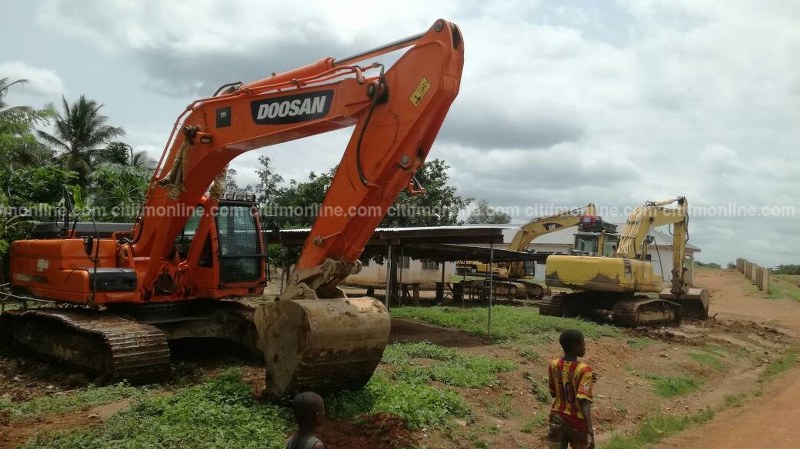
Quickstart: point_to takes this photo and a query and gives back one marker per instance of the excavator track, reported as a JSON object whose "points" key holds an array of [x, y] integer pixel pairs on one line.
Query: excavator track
{"points": [[644, 311], [111, 346], [634, 311], [551, 306]]}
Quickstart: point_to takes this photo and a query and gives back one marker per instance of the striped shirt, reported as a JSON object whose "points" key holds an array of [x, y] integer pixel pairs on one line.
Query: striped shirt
{"points": [[570, 381]]}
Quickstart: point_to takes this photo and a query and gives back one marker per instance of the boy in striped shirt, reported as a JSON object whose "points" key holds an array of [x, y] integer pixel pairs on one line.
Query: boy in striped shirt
{"points": [[571, 384]]}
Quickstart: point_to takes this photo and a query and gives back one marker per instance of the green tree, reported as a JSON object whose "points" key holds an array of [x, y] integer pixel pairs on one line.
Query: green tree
{"points": [[142, 160], [81, 135], [305, 197], [115, 153], [31, 186], [5, 84], [483, 214], [18, 144], [117, 191], [438, 206], [269, 184], [787, 269]]}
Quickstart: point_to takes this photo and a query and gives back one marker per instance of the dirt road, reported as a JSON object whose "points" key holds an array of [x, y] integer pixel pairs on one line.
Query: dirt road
{"points": [[769, 420]]}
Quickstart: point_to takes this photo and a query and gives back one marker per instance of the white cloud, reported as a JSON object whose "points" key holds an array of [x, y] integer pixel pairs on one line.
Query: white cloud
{"points": [[41, 83], [561, 101]]}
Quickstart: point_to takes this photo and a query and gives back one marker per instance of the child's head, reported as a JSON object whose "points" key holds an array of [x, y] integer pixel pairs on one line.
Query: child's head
{"points": [[572, 343], [309, 409]]}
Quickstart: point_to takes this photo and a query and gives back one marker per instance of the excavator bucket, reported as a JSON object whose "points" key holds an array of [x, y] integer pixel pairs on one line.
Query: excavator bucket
{"points": [[694, 303], [321, 345]]}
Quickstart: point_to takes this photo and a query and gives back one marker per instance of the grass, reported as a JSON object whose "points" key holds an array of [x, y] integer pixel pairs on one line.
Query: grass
{"points": [[672, 386], [640, 342], [89, 397], [708, 359], [784, 286], [418, 404], [653, 430], [735, 400], [539, 388], [507, 322], [779, 365], [220, 413], [453, 368], [503, 408], [537, 421], [529, 355]]}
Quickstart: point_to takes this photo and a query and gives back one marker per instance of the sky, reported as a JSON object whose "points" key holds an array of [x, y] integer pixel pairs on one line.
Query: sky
{"points": [[562, 102]]}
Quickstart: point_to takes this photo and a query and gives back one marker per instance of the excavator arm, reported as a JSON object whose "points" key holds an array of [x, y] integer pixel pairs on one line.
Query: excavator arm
{"points": [[396, 113], [544, 225]]}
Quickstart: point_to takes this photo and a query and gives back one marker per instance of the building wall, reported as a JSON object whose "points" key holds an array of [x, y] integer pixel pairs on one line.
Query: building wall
{"points": [[375, 274]]}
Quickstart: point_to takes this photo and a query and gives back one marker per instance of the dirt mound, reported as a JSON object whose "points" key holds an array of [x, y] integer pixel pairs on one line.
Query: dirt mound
{"points": [[24, 378], [404, 331], [17, 434], [736, 332], [378, 431]]}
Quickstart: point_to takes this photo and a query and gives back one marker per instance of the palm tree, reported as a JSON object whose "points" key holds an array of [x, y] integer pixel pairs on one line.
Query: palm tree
{"points": [[4, 85], [81, 135], [142, 160], [18, 145]]}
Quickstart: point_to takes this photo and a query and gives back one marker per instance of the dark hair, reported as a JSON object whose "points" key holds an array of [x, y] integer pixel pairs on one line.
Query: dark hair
{"points": [[305, 405], [570, 339]]}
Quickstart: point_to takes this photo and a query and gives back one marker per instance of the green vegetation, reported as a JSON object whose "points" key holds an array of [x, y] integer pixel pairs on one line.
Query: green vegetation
{"points": [[735, 400], [529, 355], [503, 408], [535, 422], [539, 388], [709, 359], [507, 322], [220, 413], [640, 342], [89, 397], [784, 286], [669, 386], [779, 365], [418, 404], [787, 269], [453, 368], [710, 265], [652, 430]]}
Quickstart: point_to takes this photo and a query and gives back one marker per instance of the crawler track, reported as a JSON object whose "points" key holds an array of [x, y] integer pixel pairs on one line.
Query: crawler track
{"points": [[626, 311], [111, 346]]}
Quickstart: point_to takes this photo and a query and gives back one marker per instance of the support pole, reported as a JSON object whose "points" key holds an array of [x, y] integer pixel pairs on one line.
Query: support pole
{"points": [[400, 276], [491, 286], [464, 283], [442, 288], [388, 276]]}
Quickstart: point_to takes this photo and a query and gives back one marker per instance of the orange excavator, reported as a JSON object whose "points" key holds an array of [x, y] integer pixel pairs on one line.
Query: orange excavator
{"points": [[193, 252]]}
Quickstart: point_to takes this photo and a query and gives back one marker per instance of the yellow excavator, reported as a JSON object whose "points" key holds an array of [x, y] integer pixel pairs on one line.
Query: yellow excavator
{"points": [[515, 279], [614, 287]]}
